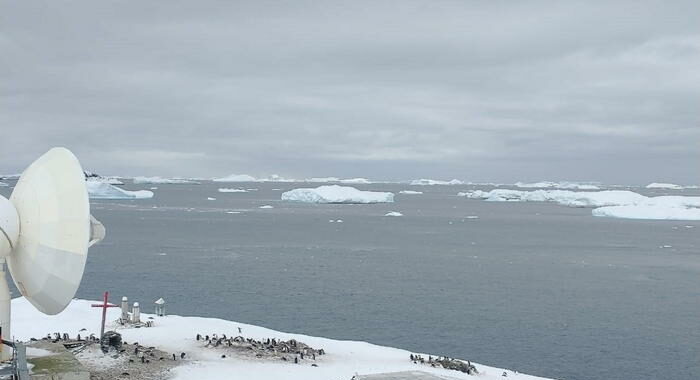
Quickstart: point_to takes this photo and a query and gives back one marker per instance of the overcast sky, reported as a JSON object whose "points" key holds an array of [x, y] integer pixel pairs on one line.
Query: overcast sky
{"points": [[476, 90]]}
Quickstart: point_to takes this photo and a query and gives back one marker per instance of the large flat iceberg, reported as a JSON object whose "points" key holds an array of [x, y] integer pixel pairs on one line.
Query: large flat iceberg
{"points": [[102, 190], [161, 180], [236, 178], [557, 185], [250, 178], [613, 203], [431, 182], [336, 194], [668, 186]]}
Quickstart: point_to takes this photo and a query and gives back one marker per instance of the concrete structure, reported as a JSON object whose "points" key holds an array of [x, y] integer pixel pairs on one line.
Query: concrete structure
{"points": [[160, 307], [125, 309], [60, 365], [136, 313]]}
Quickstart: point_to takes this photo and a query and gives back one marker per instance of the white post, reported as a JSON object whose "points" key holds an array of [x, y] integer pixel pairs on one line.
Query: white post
{"points": [[5, 351], [125, 309], [136, 313]]}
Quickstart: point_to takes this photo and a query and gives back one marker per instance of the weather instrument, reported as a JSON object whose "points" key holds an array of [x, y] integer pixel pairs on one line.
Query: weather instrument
{"points": [[45, 232]]}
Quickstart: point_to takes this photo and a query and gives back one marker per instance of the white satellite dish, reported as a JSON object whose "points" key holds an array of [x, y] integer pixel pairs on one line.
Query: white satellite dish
{"points": [[45, 231]]}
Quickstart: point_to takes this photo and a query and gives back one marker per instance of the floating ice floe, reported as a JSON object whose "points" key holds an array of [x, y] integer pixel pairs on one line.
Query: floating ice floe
{"points": [[557, 185], [101, 190], [161, 180], [612, 203], [667, 186], [226, 190], [430, 182], [336, 194], [266, 207], [211, 199], [410, 192], [393, 213]]}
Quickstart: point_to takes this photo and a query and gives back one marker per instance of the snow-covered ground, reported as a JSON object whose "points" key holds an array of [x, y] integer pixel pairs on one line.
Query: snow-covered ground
{"points": [[102, 190], [611, 203], [430, 182], [557, 185], [336, 194], [161, 180], [176, 334]]}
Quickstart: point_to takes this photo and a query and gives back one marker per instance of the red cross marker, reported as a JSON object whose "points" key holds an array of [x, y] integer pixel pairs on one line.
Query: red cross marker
{"points": [[104, 307]]}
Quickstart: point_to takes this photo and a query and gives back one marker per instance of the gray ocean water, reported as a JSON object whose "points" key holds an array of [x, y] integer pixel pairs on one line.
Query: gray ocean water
{"points": [[539, 288]]}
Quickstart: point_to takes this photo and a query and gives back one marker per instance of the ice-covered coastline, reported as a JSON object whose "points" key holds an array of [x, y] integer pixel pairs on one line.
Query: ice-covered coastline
{"points": [[176, 334], [610, 203]]}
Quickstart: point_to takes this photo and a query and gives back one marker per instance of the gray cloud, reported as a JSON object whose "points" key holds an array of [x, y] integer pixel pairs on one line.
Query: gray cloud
{"points": [[483, 91]]}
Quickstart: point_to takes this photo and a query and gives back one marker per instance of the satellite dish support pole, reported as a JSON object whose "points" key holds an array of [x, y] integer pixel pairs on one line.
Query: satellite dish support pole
{"points": [[5, 352]]}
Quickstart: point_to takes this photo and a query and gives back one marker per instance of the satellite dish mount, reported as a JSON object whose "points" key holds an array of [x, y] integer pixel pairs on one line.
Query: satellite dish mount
{"points": [[45, 232]]}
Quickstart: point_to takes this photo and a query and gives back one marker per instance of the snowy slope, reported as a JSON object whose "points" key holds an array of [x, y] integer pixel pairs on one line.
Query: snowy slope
{"points": [[176, 334]]}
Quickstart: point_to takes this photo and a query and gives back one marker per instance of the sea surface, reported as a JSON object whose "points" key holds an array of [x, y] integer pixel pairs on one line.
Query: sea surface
{"points": [[535, 287]]}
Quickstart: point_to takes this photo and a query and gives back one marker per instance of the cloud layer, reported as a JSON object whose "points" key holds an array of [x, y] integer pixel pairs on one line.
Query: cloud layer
{"points": [[490, 90]]}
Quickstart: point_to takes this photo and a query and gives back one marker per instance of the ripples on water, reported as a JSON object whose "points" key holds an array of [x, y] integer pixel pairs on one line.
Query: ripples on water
{"points": [[538, 288]]}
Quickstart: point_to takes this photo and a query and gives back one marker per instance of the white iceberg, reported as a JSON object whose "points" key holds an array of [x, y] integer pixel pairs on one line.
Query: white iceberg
{"points": [[650, 212], [563, 197], [557, 185], [393, 213], [357, 181], [228, 190], [249, 178], [667, 186], [430, 182], [322, 179], [102, 190], [612, 203], [236, 178], [410, 192], [161, 180], [336, 194]]}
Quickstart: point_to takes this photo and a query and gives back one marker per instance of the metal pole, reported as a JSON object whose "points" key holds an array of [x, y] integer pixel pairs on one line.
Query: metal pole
{"points": [[104, 316]]}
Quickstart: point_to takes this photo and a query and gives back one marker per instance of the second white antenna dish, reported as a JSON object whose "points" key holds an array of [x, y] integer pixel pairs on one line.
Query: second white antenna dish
{"points": [[54, 213]]}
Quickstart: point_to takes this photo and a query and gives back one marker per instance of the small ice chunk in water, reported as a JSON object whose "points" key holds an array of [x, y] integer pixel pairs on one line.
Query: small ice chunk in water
{"points": [[211, 199], [393, 213], [266, 206]]}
